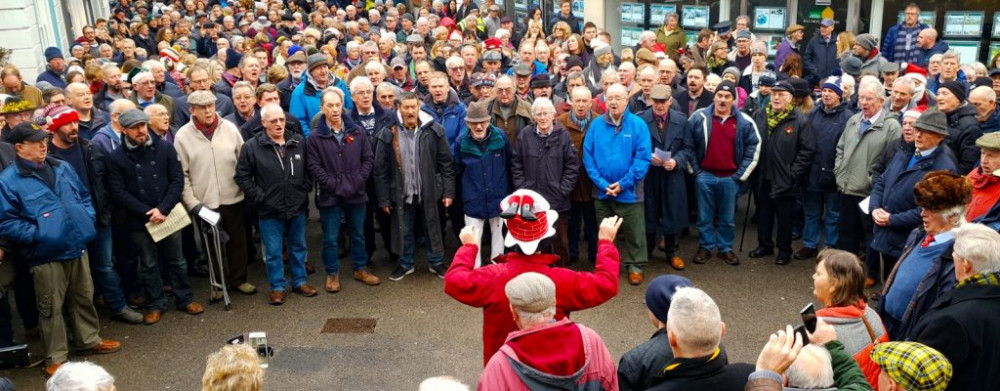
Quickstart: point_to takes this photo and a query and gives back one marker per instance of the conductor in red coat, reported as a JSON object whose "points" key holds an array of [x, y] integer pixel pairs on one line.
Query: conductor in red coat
{"points": [[529, 220]]}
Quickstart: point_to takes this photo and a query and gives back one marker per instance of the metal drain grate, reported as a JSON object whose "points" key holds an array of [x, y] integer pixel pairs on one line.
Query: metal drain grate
{"points": [[349, 325]]}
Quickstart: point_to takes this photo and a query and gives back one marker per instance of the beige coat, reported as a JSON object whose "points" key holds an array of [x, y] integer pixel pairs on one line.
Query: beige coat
{"points": [[209, 165]]}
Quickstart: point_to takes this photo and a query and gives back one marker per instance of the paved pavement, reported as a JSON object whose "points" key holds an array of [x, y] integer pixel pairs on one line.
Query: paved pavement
{"points": [[421, 332]]}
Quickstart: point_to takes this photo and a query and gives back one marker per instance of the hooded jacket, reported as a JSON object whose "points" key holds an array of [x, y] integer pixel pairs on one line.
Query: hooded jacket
{"points": [[618, 154], [873, 63], [107, 139], [274, 177], [484, 287], [484, 171], [786, 152], [963, 130], [747, 150], [557, 356], [341, 169], [306, 97], [548, 165], [828, 126], [452, 117], [856, 158]]}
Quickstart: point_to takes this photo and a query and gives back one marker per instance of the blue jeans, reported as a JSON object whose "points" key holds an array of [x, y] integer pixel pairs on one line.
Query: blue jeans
{"points": [[821, 209], [272, 235], [354, 218], [716, 199], [410, 212], [102, 270], [167, 254]]}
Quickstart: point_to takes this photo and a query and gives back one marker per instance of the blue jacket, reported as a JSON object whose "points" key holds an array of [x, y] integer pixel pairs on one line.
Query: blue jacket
{"points": [[992, 124], [625, 152], [933, 83], [820, 59], [306, 99], [747, 151], [107, 139], [55, 79], [889, 41], [925, 54], [893, 191], [47, 224], [452, 118], [484, 172], [827, 126], [939, 280]]}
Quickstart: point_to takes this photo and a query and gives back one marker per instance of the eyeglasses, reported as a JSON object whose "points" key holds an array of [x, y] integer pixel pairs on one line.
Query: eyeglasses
{"points": [[276, 120]]}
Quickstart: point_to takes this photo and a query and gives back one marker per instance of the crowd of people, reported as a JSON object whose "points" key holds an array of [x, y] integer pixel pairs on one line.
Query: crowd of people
{"points": [[409, 124]]}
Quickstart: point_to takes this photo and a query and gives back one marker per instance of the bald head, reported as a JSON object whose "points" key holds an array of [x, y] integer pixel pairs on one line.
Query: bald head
{"points": [[984, 99], [116, 108], [79, 97]]}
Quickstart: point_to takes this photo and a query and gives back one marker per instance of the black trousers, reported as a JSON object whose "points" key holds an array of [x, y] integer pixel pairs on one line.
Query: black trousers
{"points": [[771, 210], [373, 214], [855, 227]]}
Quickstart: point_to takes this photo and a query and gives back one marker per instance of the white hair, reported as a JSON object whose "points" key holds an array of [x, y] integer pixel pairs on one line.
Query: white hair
{"points": [[647, 35], [695, 321], [650, 71], [542, 103], [627, 66], [373, 66], [617, 88], [873, 87], [908, 81], [985, 93], [610, 74], [980, 245], [847, 84], [812, 369], [386, 86], [581, 91], [332, 90], [528, 290], [442, 383], [153, 64], [80, 376], [501, 32], [361, 81], [270, 109], [454, 61]]}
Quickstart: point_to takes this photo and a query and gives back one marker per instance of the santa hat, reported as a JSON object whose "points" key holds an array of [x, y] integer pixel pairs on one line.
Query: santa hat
{"points": [[455, 35], [917, 73], [59, 116], [493, 43], [169, 53], [915, 112], [532, 220]]}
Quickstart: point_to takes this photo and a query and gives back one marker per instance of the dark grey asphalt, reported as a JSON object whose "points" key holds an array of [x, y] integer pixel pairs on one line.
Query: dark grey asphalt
{"points": [[421, 331]]}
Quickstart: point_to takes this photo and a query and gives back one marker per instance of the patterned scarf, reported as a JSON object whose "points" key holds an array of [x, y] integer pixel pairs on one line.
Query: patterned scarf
{"points": [[988, 279], [773, 119], [714, 62]]}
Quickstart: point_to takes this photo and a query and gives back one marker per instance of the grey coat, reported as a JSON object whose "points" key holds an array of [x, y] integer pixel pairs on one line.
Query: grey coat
{"points": [[856, 158], [437, 178]]}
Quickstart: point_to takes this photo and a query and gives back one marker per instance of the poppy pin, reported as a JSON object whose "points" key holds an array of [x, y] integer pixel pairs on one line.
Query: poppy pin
{"points": [[788, 130], [350, 139]]}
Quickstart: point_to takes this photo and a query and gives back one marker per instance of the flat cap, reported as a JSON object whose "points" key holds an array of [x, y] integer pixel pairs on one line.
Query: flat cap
{"points": [[522, 70], [316, 60], [646, 55], [793, 28], [541, 81], [415, 38], [744, 34], [492, 55], [659, 92], [889, 67], [912, 365], [398, 62], [134, 117], [989, 141], [201, 98]]}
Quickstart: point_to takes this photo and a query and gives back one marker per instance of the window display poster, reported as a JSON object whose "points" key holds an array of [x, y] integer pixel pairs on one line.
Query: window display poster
{"points": [[968, 51], [772, 44], [769, 18], [634, 13], [695, 16], [963, 23], [521, 5], [926, 17], [691, 37], [996, 25], [630, 36], [658, 13], [994, 49]]}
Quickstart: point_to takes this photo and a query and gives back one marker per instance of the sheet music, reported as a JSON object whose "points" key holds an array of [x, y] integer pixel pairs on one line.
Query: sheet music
{"points": [[176, 220]]}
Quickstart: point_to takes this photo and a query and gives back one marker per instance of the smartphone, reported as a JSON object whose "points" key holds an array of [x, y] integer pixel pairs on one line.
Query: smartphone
{"points": [[809, 318], [258, 341]]}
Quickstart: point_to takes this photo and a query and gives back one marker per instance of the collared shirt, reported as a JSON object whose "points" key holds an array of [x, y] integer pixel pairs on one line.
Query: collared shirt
{"points": [[408, 150]]}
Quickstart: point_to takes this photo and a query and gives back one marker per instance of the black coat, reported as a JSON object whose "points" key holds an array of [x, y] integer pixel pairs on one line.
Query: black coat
{"points": [[285, 88], [547, 165], [827, 126], [253, 126], [144, 178], [277, 183], [683, 99], [704, 373], [963, 130], [666, 191], [963, 325], [383, 120], [7, 155], [640, 367], [786, 152], [820, 59]]}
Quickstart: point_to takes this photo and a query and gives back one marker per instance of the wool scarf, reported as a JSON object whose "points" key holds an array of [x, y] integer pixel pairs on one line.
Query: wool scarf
{"points": [[207, 130], [773, 119]]}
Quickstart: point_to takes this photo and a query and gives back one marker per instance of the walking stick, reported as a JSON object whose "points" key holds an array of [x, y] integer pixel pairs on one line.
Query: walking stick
{"points": [[746, 219]]}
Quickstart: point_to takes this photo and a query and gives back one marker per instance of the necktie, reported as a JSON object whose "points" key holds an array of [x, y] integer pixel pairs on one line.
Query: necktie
{"points": [[917, 153], [927, 240]]}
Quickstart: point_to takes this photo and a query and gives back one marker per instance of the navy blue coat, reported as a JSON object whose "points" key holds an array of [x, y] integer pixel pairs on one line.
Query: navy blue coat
{"points": [[893, 191], [143, 179], [340, 170], [666, 191], [827, 126], [482, 168], [820, 59], [45, 224]]}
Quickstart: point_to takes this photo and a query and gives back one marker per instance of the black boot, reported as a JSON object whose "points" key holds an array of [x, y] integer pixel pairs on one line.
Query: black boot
{"points": [[650, 245]]}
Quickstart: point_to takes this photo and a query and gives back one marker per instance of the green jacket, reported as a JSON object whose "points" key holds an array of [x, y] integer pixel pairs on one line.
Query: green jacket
{"points": [[846, 372], [671, 40], [856, 157]]}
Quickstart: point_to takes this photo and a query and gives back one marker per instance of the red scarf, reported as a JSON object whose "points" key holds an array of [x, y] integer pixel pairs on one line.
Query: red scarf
{"points": [[207, 130]]}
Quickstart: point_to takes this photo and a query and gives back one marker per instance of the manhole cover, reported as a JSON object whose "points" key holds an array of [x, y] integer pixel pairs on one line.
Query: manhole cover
{"points": [[349, 325]]}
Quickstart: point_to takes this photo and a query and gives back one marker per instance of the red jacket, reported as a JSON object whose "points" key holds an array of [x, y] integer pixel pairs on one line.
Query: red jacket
{"points": [[484, 287]]}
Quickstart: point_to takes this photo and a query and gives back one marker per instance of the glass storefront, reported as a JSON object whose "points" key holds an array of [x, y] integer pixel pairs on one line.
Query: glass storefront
{"points": [[970, 27]]}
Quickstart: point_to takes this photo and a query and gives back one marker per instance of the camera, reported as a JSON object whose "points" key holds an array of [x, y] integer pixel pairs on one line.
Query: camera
{"points": [[14, 356], [258, 341]]}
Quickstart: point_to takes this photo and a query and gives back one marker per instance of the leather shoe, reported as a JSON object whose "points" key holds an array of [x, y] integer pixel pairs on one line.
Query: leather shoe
{"points": [[783, 259], [677, 263], [333, 283], [805, 253], [635, 278], [196, 269], [106, 346], [152, 317], [194, 308], [51, 369], [366, 277], [702, 256], [277, 298], [310, 269], [305, 290], [730, 258], [869, 282], [761, 252]]}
